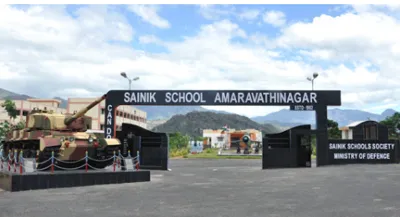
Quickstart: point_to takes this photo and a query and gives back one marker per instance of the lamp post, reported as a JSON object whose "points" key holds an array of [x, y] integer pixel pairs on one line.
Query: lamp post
{"points": [[315, 75], [123, 74]]}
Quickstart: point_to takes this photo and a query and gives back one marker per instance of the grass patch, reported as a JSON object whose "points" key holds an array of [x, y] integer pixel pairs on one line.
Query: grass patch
{"points": [[210, 153], [182, 152]]}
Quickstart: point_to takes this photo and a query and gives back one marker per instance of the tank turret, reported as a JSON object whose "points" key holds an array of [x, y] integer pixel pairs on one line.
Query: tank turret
{"points": [[49, 120], [68, 121]]}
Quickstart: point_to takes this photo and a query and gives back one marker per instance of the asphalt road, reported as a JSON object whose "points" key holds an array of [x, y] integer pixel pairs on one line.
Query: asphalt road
{"points": [[231, 188]]}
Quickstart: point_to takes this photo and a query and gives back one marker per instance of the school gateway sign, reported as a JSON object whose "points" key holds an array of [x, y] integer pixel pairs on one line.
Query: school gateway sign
{"points": [[215, 97], [158, 97]]}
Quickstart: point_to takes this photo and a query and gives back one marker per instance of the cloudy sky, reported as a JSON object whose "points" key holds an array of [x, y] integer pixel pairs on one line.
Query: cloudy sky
{"points": [[79, 51]]}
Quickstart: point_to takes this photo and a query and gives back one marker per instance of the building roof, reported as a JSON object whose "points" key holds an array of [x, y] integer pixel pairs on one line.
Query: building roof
{"points": [[43, 100], [353, 124]]}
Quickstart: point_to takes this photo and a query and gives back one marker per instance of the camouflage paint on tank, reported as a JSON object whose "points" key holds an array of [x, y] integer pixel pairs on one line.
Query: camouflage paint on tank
{"points": [[45, 129]]}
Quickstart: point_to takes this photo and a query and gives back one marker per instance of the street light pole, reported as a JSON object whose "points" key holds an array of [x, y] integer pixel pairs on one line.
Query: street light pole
{"points": [[123, 74], [315, 75], [312, 84]]}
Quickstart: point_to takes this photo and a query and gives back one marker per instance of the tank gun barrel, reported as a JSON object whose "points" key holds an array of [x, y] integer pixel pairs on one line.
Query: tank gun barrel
{"points": [[82, 112]]}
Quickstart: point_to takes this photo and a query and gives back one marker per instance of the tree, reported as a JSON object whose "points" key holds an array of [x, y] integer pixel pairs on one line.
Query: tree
{"points": [[4, 128], [393, 125], [198, 138], [10, 108], [333, 130], [20, 125], [177, 140]]}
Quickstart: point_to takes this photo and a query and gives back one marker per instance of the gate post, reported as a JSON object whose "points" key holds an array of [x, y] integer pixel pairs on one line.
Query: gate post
{"points": [[264, 152], [321, 116]]}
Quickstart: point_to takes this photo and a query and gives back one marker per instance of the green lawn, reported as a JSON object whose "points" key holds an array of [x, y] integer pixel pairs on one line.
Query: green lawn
{"points": [[213, 154]]}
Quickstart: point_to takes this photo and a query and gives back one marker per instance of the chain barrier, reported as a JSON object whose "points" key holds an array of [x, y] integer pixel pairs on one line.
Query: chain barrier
{"points": [[14, 162]]}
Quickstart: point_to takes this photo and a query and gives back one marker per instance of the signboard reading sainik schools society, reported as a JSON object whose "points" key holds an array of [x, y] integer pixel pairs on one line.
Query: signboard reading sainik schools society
{"points": [[228, 97], [346, 151]]}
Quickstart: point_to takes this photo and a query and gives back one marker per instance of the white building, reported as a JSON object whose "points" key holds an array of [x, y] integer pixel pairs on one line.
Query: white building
{"points": [[219, 139], [216, 138], [347, 131]]}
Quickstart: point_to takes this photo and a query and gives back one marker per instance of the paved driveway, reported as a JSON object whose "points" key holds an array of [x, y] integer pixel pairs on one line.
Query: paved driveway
{"points": [[231, 188]]}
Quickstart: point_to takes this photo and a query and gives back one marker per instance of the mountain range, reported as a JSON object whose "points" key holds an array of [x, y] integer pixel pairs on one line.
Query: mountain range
{"points": [[343, 117], [193, 123], [284, 117]]}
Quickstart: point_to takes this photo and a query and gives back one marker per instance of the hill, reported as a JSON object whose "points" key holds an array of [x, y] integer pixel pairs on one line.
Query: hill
{"points": [[11, 95], [342, 116], [166, 112], [194, 122], [5, 94]]}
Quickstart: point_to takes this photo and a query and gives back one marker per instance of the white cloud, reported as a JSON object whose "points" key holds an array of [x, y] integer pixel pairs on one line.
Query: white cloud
{"points": [[275, 18], [215, 12], [369, 36], [45, 52], [249, 14], [148, 39], [220, 12], [322, 54], [150, 15]]}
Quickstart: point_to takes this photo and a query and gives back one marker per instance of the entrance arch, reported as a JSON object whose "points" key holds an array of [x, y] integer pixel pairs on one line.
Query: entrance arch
{"points": [[296, 99]]}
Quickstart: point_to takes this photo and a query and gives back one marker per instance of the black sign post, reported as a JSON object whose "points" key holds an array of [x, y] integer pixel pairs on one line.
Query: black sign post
{"points": [[319, 100]]}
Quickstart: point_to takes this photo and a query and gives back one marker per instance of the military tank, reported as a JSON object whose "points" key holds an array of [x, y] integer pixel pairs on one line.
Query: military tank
{"points": [[65, 136]]}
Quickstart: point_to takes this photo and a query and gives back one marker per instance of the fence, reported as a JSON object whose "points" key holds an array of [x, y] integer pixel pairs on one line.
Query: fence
{"points": [[15, 163]]}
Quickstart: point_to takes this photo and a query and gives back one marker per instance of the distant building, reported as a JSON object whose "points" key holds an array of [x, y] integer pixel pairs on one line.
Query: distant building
{"points": [[124, 114], [365, 130], [220, 138], [25, 106], [347, 131]]}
